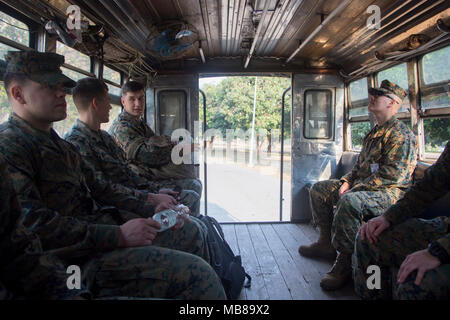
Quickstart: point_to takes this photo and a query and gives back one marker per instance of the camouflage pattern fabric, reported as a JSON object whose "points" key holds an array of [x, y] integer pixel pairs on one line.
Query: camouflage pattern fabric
{"points": [[38, 66], [390, 88], [108, 161], [350, 211], [434, 184], [57, 190], [24, 267], [390, 251], [148, 154], [386, 161], [383, 171]]}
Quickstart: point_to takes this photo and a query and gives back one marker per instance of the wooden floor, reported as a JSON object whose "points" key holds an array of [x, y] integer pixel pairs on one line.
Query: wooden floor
{"points": [[269, 254]]}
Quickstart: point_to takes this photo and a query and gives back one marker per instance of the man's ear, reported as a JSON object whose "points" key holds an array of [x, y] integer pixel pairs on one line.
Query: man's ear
{"points": [[16, 93], [122, 100], [94, 103]]}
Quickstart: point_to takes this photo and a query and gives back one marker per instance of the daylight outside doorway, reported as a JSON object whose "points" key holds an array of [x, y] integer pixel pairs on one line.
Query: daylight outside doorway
{"points": [[243, 153]]}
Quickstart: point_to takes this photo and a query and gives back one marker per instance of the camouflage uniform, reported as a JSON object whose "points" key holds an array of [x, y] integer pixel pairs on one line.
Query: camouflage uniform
{"points": [[107, 159], [392, 148], [58, 194], [150, 155], [405, 236], [24, 267]]}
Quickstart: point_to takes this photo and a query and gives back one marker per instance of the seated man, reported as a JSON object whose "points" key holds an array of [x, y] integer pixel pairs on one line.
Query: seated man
{"points": [[148, 154], [420, 248], [107, 159], [120, 252], [382, 173]]}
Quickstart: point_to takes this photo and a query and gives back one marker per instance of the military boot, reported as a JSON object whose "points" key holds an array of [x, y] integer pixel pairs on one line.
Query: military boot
{"points": [[320, 249], [340, 273]]}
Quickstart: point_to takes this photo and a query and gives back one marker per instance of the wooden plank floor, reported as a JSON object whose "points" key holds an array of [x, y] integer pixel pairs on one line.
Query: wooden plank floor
{"points": [[269, 254]]}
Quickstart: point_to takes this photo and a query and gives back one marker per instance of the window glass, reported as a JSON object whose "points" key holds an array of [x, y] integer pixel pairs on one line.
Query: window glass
{"points": [[318, 114], [399, 75], [113, 113], [359, 98], [358, 90], [114, 90], [5, 109], [436, 66], [358, 132], [74, 57], [435, 91], [4, 49], [75, 76], [437, 133], [14, 29], [111, 75], [172, 110]]}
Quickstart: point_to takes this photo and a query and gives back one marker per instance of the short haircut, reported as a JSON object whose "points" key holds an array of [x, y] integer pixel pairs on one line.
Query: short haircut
{"points": [[10, 77], [131, 86], [86, 90]]}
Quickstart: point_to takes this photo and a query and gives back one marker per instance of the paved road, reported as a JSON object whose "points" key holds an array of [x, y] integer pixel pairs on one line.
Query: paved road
{"points": [[239, 193]]}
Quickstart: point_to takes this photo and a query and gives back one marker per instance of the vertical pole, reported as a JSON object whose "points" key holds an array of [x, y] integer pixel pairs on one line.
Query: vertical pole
{"points": [[204, 153], [252, 140], [282, 153]]}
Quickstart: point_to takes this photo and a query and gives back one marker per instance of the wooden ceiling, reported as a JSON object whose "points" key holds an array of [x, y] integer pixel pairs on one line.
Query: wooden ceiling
{"points": [[264, 35]]}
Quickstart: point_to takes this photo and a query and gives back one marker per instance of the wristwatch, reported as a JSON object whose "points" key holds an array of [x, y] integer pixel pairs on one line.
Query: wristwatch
{"points": [[436, 250]]}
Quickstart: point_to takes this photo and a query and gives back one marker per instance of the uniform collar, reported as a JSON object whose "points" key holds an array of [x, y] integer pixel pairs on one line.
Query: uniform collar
{"points": [[84, 129], [380, 130]]}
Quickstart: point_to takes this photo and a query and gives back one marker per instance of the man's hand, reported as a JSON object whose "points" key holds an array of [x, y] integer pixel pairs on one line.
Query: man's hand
{"points": [[422, 261], [344, 188], [373, 228], [138, 232], [169, 192], [162, 200]]}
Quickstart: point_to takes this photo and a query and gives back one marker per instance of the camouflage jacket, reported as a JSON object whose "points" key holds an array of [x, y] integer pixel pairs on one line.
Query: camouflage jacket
{"points": [[25, 269], [139, 142], [107, 159], [56, 190], [386, 161], [434, 184]]}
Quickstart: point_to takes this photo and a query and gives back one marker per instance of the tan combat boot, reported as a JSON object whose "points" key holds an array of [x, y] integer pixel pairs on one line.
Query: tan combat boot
{"points": [[320, 249], [340, 273]]}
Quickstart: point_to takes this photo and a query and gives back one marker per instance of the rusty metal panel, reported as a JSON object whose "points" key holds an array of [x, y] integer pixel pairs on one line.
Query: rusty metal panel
{"points": [[313, 159]]}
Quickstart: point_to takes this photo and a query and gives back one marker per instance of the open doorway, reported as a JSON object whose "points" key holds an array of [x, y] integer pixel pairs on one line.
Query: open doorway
{"points": [[244, 155]]}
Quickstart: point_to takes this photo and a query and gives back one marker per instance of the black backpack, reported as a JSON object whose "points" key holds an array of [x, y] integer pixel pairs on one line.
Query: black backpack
{"points": [[227, 265]]}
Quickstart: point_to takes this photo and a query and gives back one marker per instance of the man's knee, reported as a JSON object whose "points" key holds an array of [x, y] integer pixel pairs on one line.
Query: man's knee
{"points": [[435, 285]]}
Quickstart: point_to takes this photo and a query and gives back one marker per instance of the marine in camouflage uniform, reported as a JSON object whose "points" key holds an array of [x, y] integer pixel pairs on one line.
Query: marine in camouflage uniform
{"points": [[107, 159], [407, 235], [76, 216], [381, 175], [150, 155]]}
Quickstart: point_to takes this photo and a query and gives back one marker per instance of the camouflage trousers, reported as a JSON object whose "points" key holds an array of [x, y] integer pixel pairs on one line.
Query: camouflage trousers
{"points": [[174, 267], [342, 216], [390, 251]]}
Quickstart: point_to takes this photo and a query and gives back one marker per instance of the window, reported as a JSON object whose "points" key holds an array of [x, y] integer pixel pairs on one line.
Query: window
{"points": [[74, 57], [437, 133], [399, 75], [318, 114], [435, 77], [172, 110], [358, 132], [14, 29], [5, 109], [112, 80], [359, 98]]}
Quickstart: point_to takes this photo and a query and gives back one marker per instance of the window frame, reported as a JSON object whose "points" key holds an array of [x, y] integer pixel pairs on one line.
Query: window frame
{"points": [[158, 106], [332, 109]]}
